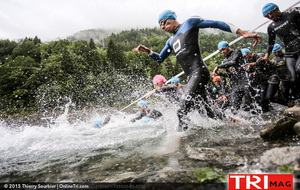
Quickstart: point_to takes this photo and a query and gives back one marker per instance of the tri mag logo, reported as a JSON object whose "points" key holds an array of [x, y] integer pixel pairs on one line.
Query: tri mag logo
{"points": [[260, 181]]}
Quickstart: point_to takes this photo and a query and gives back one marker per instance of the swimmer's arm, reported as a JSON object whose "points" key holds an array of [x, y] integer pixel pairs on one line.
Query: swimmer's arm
{"points": [[227, 64], [165, 52], [106, 120]]}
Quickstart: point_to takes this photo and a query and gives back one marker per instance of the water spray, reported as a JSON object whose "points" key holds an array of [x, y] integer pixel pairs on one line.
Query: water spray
{"points": [[208, 57]]}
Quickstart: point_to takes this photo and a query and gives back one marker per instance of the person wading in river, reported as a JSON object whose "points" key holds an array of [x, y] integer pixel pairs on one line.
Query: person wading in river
{"points": [[286, 26], [185, 44]]}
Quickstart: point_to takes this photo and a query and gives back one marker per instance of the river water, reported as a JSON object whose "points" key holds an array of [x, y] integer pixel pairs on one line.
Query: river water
{"points": [[64, 151]]}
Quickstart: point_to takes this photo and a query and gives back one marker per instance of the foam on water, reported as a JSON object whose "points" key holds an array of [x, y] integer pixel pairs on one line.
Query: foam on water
{"points": [[36, 146]]}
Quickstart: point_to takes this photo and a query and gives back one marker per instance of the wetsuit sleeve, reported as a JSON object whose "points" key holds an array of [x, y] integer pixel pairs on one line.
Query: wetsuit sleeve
{"points": [[167, 88], [154, 114], [139, 117], [106, 120], [271, 40], [224, 75], [166, 51], [216, 24], [231, 62]]}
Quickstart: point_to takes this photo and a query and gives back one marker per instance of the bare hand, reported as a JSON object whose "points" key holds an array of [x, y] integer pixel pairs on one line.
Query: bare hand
{"points": [[141, 48], [222, 98], [256, 37], [265, 58], [215, 72], [150, 93], [248, 65]]}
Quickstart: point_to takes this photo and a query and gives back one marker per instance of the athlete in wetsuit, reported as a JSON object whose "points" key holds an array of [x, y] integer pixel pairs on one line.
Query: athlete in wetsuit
{"points": [[250, 61], [185, 44], [279, 62], [240, 86], [100, 123], [262, 77], [145, 114], [286, 26], [172, 92]]}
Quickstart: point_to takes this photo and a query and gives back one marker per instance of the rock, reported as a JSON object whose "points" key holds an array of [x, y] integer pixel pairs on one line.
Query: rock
{"points": [[293, 112], [144, 176], [279, 128], [218, 156], [120, 178], [281, 156], [297, 128]]}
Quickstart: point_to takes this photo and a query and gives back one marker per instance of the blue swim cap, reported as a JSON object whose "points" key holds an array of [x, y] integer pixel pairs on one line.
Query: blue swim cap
{"points": [[223, 44], [167, 14], [268, 7], [245, 51], [146, 119], [175, 79], [97, 123], [142, 104], [276, 48]]}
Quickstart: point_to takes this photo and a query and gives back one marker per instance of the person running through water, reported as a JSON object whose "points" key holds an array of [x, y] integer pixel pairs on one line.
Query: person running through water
{"points": [[145, 114], [250, 61], [172, 92], [239, 82], [185, 44], [286, 26], [279, 63], [221, 93], [263, 78]]}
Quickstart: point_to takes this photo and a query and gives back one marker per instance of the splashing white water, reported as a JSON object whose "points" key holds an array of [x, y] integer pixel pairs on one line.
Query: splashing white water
{"points": [[36, 147]]}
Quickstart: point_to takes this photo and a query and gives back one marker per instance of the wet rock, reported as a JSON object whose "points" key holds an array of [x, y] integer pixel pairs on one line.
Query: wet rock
{"points": [[281, 156], [124, 177], [280, 128], [293, 112], [224, 156], [297, 128], [143, 177]]}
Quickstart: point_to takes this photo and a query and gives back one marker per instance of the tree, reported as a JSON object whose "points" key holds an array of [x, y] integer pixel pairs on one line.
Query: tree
{"points": [[28, 48], [115, 56], [6, 49], [92, 44]]}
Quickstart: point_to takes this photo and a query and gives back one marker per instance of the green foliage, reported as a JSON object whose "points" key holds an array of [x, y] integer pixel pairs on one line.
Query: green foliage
{"points": [[103, 72], [285, 169], [209, 174]]}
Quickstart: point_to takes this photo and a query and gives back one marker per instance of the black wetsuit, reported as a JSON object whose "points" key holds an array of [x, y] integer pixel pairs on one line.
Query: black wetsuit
{"points": [[222, 90], [185, 44], [240, 86], [151, 113], [254, 81], [172, 93], [268, 82], [287, 28], [282, 71]]}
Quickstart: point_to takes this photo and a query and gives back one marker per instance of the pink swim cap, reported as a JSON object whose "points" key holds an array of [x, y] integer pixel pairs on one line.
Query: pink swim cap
{"points": [[159, 79]]}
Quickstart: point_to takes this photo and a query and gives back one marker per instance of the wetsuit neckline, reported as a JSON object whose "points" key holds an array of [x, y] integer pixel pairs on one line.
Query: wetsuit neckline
{"points": [[229, 54], [176, 29], [279, 17]]}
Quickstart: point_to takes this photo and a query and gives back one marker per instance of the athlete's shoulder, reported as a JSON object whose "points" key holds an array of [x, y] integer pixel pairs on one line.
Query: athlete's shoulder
{"points": [[237, 51], [168, 42], [295, 10], [194, 20]]}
